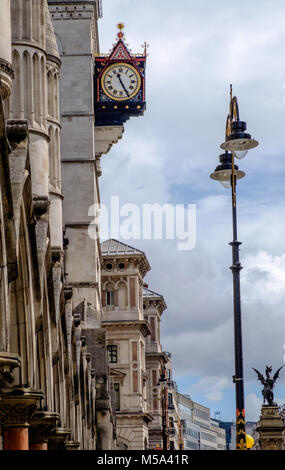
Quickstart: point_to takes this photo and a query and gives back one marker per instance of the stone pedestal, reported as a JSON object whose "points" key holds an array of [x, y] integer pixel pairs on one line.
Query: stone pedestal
{"points": [[42, 424], [271, 429], [16, 408]]}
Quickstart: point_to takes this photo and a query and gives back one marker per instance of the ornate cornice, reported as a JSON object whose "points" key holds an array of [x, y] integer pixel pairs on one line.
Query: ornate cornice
{"points": [[143, 326]]}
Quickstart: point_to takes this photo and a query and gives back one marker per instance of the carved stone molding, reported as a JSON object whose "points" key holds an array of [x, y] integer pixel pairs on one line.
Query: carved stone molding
{"points": [[71, 445], [6, 67], [7, 75], [8, 362], [56, 253], [17, 131], [41, 205], [98, 166], [68, 292], [59, 438], [77, 319], [42, 424], [18, 406]]}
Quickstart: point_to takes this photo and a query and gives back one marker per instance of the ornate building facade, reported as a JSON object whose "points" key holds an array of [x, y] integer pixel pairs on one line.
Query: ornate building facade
{"points": [[80, 352], [146, 409], [54, 382]]}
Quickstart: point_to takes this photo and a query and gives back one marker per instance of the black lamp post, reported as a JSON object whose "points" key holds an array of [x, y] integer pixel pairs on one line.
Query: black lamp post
{"points": [[237, 144], [164, 403]]}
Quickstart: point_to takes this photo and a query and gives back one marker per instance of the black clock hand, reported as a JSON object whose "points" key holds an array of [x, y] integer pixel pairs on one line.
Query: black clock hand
{"points": [[120, 80]]}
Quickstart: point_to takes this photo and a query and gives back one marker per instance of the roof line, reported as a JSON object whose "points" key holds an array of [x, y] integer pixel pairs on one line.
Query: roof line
{"points": [[121, 243]]}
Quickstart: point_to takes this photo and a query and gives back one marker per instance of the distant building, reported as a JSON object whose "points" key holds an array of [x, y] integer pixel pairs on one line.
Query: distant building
{"points": [[230, 429], [174, 427], [191, 431], [221, 434], [200, 432]]}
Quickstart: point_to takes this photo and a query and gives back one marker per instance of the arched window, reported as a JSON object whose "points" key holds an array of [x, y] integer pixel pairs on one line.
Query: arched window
{"points": [[37, 93], [117, 397], [122, 296], [110, 296]]}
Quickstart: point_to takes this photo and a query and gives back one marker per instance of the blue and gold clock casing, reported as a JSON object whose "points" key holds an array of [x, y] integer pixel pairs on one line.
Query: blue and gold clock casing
{"points": [[119, 85]]}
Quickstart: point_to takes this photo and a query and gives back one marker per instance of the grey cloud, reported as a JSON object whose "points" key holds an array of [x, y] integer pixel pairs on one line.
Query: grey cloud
{"points": [[198, 49]]}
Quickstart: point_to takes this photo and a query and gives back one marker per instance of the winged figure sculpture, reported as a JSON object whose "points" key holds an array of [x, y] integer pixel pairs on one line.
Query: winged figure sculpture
{"points": [[268, 384]]}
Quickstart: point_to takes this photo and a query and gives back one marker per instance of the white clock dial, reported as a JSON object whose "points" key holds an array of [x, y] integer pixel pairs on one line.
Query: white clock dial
{"points": [[121, 81]]}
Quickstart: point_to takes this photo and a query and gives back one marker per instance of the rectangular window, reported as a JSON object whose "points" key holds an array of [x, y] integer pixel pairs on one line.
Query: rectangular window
{"points": [[170, 402], [112, 353], [117, 396], [135, 381], [152, 328], [110, 298]]}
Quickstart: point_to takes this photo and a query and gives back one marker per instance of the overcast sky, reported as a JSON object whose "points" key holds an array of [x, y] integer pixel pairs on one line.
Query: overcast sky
{"points": [[196, 50]]}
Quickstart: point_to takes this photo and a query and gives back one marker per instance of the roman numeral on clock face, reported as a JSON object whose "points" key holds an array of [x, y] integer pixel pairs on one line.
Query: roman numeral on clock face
{"points": [[121, 81]]}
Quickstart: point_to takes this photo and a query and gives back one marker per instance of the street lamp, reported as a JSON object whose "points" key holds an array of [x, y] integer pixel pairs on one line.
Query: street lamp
{"points": [[164, 403], [236, 145]]}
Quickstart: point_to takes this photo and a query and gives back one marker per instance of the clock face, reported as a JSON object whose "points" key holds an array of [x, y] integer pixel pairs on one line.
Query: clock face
{"points": [[121, 81]]}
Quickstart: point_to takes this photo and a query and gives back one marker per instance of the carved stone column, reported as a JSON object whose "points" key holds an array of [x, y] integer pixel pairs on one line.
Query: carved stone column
{"points": [[41, 426], [59, 439], [271, 429], [16, 409]]}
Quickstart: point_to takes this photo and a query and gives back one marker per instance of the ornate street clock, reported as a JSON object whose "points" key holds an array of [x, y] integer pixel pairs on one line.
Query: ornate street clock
{"points": [[119, 84]]}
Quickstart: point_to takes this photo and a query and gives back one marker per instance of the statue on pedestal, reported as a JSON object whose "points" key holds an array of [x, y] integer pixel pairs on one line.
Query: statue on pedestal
{"points": [[268, 384]]}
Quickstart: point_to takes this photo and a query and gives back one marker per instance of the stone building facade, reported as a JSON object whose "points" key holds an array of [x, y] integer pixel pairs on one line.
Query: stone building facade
{"points": [[200, 431], [132, 315], [55, 391], [175, 430], [123, 272], [80, 351], [156, 360]]}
